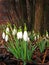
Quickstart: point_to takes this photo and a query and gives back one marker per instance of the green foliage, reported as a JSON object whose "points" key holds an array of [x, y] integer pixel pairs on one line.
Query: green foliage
{"points": [[47, 43], [19, 48], [41, 45], [32, 35], [22, 49]]}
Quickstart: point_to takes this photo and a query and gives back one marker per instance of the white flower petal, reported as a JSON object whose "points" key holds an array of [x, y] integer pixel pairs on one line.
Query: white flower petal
{"points": [[46, 35], [7, 30], [25, 36], [19, 35], [3, 35], [14, 32], [6, 38], [35, 38]]}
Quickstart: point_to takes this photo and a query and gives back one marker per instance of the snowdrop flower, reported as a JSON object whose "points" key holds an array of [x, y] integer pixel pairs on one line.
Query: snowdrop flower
{"points": [[7, 30], [19, 33], [6, 38], [46, 34], [34, 34], [38, 36], [35, 38], [3, 35], [25, 36], [33, 31], [14, 31]]}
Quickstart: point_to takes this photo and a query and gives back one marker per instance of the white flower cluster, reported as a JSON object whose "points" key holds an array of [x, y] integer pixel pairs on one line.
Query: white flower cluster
{"points": [[19, 33], [5, 35], [36, 36]]}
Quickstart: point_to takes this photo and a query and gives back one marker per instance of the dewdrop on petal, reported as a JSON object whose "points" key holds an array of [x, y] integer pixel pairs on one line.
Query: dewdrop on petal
{"points": [[3, 35], [6, 38]]}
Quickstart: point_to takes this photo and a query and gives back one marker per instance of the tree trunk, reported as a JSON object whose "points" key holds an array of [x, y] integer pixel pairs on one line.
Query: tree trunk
{"points": [[39, 19]]}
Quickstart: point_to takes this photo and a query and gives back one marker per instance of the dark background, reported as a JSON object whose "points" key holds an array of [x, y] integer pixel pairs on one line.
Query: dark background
{"points": [[35, 13]]}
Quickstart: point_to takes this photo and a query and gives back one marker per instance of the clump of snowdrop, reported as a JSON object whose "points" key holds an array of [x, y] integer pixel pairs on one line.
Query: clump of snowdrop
{"points": [[19, 33], [10, 32], [5, 36]]}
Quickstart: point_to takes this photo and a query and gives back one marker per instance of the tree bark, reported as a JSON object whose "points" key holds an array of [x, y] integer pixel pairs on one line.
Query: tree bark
{"points": [[39, 19]]}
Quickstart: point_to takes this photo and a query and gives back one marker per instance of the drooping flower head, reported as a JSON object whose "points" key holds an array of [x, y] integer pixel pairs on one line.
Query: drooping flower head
{"points": [[46, 33], [7, 30], [25, 35], [19, 33], [3, 35], [38, 35], [35, 38], [14, 31], [6, 38]]}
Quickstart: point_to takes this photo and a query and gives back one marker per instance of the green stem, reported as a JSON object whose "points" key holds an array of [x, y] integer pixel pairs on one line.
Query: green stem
{"points": [[24, 63]]}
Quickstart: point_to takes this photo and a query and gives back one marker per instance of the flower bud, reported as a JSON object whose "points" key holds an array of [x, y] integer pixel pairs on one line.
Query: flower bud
{"points": [[25, 28]]}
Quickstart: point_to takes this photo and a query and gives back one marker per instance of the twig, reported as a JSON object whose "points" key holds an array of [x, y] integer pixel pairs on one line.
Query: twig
{"points": [[44, 56]]}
